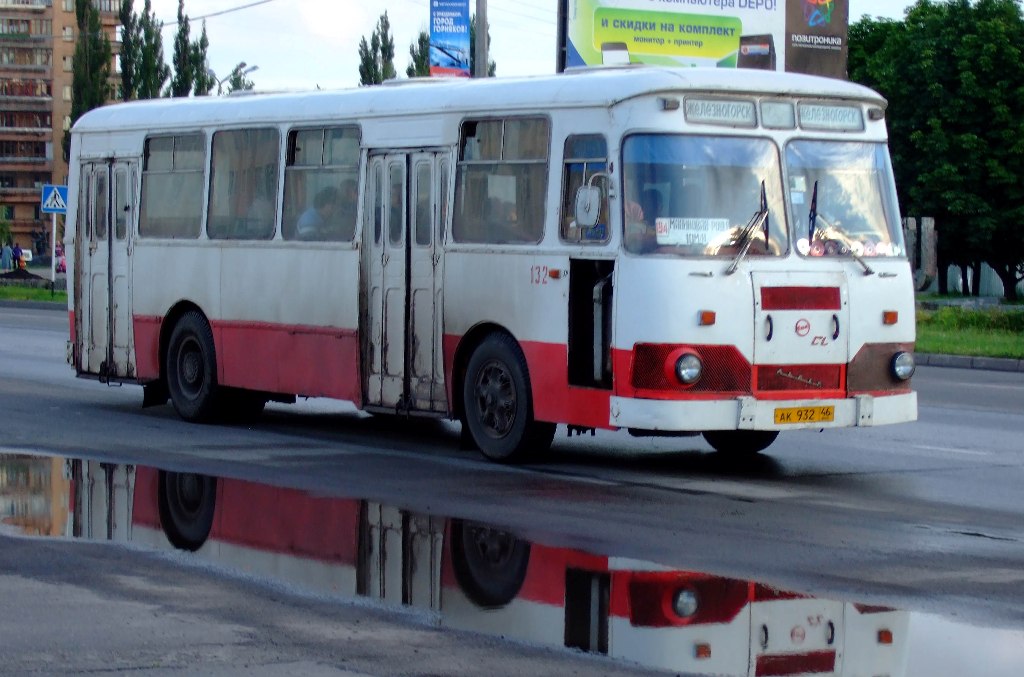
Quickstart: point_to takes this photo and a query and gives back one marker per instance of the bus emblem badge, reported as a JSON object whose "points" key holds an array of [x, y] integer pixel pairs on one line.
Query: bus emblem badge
{"points": [[803, 328]]}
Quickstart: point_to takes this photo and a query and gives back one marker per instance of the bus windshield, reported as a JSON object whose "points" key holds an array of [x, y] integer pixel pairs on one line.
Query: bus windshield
{"points": [[695, 195], [841, 199]]}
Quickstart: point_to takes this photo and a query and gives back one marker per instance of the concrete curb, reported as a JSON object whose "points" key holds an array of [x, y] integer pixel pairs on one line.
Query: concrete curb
{"points": [[967, 362], [35, 305], [922, 359]]}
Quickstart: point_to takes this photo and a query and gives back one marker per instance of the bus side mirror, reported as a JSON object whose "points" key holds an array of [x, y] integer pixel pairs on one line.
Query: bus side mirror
{"points": [[588, 206]]}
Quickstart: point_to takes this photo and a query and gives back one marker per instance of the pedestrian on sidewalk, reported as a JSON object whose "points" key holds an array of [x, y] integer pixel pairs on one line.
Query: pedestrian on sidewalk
{"points": [[6, 257], [17, 256]]}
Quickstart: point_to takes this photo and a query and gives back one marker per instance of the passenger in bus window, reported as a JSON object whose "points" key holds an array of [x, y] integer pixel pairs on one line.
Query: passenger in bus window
{"points": [[312, 222], [346, 216]]}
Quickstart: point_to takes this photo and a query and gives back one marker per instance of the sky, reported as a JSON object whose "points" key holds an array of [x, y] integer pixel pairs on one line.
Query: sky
{"points": [[305, 44]]}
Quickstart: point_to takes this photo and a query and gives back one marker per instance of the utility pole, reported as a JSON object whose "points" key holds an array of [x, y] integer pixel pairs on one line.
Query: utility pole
{"points": [[480, 57]]}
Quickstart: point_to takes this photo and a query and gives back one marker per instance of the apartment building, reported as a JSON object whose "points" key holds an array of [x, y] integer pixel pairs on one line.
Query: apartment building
{"points": [[37, 47]]}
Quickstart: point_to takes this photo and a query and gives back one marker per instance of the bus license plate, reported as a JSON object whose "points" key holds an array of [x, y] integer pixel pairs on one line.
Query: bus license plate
{"points": [[790, 415]]}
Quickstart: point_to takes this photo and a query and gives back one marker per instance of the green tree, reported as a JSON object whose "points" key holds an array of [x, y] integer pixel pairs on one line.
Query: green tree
{"points": [[153, 73], [181, 81], [492, 67], [202, 79], [91, 72], [419, 55], [238, 82], [377, 59], [953, 74], [131, 50]]}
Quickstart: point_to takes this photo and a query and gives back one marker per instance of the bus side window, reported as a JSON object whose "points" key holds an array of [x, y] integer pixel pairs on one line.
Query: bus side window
{"points": [[585, 156], [172, 186], [324, 162], [501, 181], [243, 185]]}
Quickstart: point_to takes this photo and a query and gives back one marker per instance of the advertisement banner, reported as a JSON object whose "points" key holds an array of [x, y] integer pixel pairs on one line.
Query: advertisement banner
{"points": [[816, 32], [807, 36], [449, 37]]}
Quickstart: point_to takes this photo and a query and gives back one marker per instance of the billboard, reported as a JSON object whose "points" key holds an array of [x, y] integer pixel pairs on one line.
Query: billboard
{"points": [[805, 36], [449, 37]]}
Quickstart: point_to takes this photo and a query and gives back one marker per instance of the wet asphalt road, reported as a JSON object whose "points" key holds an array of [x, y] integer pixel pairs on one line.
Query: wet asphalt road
{"points": [[924, 516]]}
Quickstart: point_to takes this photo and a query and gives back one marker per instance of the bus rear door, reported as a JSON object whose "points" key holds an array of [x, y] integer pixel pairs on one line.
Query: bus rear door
{"points": [[402, 337], [105, 339]]}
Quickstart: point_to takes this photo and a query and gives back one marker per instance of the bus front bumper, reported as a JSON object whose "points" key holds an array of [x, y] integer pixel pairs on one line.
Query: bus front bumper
{"points": [[748, 413]]}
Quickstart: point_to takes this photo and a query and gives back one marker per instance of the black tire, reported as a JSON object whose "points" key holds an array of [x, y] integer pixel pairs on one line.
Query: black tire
{"points": [[490, 564], [745, 442], [191, 369], [187, 503], [498, 404]]}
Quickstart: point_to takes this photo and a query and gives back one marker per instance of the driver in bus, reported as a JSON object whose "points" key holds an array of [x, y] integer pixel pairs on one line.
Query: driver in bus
{"points": [[641, 233]]}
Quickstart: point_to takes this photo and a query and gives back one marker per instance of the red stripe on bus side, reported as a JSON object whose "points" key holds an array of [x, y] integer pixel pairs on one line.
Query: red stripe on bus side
{"points": [[279, 358], [800, 298], [309, 361], [553, 398], [147, 346]]}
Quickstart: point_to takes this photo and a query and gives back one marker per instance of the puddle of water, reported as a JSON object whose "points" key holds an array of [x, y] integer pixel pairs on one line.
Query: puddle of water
{"points": [[483, 579]]}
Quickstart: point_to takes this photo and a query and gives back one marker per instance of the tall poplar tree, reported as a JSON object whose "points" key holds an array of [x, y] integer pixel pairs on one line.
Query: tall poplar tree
{"points": [[377, 59], [143, 71], [91, 69], [131, 50], [181, 81], [153, 72], [202, 80], [419, 55]]}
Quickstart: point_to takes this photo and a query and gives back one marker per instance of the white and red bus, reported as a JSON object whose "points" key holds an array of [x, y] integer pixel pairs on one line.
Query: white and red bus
{"points": [[659, 250]]}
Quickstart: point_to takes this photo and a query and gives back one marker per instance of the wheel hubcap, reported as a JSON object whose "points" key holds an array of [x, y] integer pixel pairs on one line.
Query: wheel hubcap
{"points": [[190, 369], [496, 399]]}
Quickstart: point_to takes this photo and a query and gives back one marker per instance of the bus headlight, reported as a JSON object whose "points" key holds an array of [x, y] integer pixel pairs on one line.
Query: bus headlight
{"points": [[688, 368], [903, 366], [685, 603]]}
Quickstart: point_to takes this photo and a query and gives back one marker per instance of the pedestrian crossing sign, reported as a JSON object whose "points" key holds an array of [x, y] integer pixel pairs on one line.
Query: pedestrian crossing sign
{"points": [[55, 199]]}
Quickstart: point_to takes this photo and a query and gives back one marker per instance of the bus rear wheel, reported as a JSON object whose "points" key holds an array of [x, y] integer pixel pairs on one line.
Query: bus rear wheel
{"points": [[498, 405], [740, 441], [192, 369], [490, 564]]}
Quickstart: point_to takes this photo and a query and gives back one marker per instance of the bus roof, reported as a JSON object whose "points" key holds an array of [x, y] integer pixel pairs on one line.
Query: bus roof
{"points": [[575, 88]]}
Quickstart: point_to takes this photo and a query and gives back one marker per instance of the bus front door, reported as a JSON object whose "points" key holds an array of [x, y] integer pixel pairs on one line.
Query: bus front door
{"points": [[106, 331], [402, 340]]}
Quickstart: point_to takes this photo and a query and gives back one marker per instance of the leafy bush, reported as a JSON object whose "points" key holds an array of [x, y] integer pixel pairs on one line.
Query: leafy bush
{"points": [[954, 318]]}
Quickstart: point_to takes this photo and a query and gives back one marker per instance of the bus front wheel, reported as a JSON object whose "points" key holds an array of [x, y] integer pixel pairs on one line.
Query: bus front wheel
{"points": [[498, 405], [192, 369], [740, 441]]}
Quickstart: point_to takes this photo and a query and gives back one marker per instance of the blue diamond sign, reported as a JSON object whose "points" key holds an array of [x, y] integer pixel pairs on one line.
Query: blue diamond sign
{"points": [[54, 200]]}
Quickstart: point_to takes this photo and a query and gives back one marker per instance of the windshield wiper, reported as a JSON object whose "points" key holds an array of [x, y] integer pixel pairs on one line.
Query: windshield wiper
{"points": [[849, 249], [759, 219], [812, 219]]}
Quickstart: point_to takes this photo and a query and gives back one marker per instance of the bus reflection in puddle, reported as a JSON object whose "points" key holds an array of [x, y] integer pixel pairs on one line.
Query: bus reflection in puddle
{"points": [[470, 576]]}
